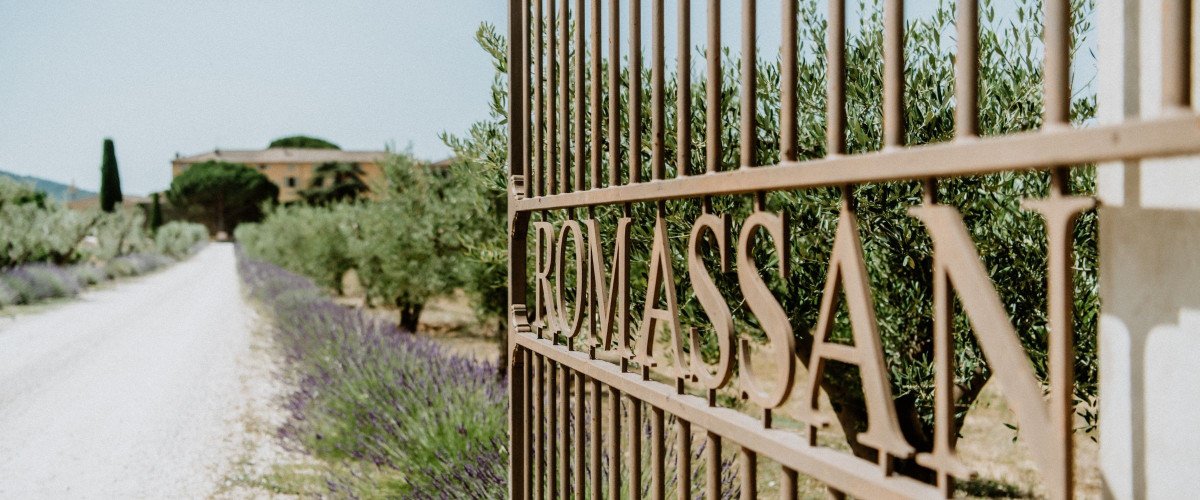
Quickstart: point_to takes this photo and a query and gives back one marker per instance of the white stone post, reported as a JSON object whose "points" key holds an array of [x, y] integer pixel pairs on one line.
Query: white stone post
{"points": [[1149, 276]]}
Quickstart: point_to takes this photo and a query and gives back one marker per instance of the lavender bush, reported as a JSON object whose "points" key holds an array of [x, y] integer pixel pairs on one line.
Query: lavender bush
{"points": [[31, 283], [136, 264], [404, 416]]}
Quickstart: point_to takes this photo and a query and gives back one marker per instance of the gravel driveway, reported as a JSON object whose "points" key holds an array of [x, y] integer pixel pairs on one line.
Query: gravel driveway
{"points": [[134, 391]]}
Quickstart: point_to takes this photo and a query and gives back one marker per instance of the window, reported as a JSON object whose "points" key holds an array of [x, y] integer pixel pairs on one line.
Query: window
{"points": [[291, 182]]}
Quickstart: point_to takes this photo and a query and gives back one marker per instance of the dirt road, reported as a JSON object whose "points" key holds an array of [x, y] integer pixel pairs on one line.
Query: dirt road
{"points": [[134, 391]]}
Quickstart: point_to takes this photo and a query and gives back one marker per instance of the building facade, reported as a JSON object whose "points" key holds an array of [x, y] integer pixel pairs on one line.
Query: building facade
{"points": [[289, 168]]}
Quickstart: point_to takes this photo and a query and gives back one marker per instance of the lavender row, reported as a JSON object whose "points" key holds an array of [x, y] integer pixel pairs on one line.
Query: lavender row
{"points": [[397, 411]]}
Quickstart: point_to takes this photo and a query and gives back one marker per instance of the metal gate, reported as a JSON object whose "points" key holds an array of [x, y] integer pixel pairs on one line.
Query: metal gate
{"points": [[581, 384]]}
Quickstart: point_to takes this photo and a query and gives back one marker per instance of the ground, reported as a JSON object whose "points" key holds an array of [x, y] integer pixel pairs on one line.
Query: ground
{"points": [[138, 390]]}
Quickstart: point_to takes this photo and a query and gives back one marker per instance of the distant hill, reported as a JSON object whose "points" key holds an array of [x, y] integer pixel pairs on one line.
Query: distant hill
{"points": [[55, 190]]}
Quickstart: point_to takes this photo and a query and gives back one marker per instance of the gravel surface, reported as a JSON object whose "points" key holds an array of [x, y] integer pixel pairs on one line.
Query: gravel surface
{"points": [[134, 391]]}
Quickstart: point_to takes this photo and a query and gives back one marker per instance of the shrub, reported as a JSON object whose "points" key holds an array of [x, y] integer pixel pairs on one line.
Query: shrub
{"points": [[36, 282], [179, 239], [135, 264], [305, 240], [87, 274]]}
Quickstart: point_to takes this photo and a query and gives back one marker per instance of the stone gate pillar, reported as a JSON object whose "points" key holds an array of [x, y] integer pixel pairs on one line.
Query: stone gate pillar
{"points": [[1149, 272]]}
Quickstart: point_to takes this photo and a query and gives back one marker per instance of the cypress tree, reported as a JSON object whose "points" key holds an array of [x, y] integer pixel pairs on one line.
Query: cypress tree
{"points": [[110, 179], [156, 218]]}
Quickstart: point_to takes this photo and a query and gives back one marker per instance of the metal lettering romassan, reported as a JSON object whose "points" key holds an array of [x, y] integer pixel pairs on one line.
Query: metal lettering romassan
{"points": [[958, 270], [558, 149]]}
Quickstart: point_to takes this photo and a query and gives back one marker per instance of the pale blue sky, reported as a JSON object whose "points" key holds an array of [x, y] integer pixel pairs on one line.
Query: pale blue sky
{"points": [[165, 76], [187, 76]]}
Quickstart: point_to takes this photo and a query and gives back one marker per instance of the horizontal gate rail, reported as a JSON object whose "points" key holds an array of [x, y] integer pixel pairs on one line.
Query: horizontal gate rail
{"points": [[845, 472], [1041, 150]]}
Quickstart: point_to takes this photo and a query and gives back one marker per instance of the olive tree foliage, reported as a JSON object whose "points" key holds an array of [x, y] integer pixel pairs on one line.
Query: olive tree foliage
{"points": [[478, 196], [403, 243], [898, 251], [36, 229]]}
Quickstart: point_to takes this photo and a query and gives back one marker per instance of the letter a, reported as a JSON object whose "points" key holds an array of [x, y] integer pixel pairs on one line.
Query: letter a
{"points": [[661, 276], [848, 273]]}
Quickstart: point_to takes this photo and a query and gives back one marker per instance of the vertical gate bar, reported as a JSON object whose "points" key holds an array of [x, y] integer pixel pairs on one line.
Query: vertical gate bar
{"points": [[835, 53], [657, 457], [564, 409], [712, 90], [614, 443], [893, 73], [564, 89], [552, 429], [594, 96], [539, 139], [684, 460], [635, 448], [943, 356], [787, 484], [966, 71], [539, 434], [518, 421], [530, 424], [517, 71], [581, 164], [1060, 303], [635, 91], [1057, 72], [712, 459], [748, 462], [580, 449], [614, 93], [1176, 54], [683, 101], [657, 89], [551, 100], [787, 82], [596, 472], [522, 81], [749, 129]]}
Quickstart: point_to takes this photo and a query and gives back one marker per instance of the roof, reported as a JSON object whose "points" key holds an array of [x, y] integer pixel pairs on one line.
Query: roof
{"points": [[93, 202], [286, 155]]}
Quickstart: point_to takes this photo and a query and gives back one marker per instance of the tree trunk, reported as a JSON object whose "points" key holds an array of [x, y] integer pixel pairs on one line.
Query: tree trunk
{"points": [[410, 315], [221, 215]]}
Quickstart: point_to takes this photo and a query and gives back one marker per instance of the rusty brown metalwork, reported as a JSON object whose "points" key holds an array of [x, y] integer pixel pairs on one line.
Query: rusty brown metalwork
{"points": [[600, 385]]}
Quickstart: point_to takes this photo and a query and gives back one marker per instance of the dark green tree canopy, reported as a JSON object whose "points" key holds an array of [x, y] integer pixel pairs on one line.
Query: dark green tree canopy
{"points": [[302, 141], [110, 179], [222, 194], [335, 182]]}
